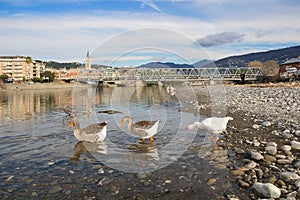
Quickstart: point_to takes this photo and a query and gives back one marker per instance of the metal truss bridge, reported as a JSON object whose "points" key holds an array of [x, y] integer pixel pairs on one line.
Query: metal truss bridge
{"points": [[171, 74]]}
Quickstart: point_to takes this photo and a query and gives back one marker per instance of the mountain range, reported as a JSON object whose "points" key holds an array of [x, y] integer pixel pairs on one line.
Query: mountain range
{"points": [[279, 55]]}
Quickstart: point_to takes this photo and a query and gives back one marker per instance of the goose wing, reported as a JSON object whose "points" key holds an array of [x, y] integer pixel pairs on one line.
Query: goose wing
{"points": [[144, 124], [93, 128]]}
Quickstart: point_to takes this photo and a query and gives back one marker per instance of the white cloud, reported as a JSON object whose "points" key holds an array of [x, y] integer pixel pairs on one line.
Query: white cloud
{"points": [[69, 36]]}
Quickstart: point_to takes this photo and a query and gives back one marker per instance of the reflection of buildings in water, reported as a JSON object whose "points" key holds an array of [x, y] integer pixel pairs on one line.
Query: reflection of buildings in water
{"points": [[24, 105], [141, 152], [148, 95], [89, 148]]}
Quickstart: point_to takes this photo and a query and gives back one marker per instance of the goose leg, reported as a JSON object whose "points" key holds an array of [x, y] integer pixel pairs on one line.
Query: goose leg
{"points": [[211, 136], [151, 139], [143, 140], [217, 138]]}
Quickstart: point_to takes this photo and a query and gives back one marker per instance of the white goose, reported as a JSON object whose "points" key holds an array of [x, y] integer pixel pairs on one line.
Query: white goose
{"points": [[91, 133], [212, 125], [144, 129]]}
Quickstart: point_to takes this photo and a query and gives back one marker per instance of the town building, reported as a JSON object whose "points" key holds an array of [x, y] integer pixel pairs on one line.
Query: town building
{"points": [[291, 63], [20, 68], [88, 65], [290, 69]]}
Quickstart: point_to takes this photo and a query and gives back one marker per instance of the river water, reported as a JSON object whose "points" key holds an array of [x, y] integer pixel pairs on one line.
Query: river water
{"points": [[41, 159]]}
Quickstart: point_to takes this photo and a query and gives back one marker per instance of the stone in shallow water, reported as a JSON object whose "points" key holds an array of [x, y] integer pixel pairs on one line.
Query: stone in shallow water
{"points": [[211, 181], [237, 172], [55, 189]]}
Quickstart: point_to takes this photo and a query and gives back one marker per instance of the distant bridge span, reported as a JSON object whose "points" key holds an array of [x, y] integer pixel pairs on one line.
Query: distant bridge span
{"points": [[171, 74]]}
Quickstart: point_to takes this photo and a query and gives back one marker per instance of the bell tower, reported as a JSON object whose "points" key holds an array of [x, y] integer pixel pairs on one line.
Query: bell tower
{"points": [[88, 61]]}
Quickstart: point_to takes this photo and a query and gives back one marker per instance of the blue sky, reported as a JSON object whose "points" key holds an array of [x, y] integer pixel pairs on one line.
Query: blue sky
{"points": [[126, 33]]}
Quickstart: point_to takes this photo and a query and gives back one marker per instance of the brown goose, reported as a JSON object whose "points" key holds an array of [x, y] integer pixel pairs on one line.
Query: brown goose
{"points": [[91, 133], [144, 129]]}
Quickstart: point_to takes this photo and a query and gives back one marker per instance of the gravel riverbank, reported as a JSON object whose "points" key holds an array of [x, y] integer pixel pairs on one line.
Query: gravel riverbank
{"points": [[264, 138]]}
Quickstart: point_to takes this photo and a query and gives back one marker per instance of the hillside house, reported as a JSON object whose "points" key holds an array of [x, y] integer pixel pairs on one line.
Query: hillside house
{"points": [[292, 63], [290, 68]]}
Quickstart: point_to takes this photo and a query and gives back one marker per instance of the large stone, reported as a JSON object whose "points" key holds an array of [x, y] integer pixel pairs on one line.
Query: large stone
{"points": [[266, 190], [295, 145], [289, 176]]}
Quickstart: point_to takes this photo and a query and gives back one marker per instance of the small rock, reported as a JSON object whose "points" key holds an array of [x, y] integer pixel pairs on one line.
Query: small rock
{"points": [[255, 126], [281, 183], [270, 158], [168, 181], [289, 176], [250, 165], [211, 181], [243, 184], [297, 164], [237, 172], [279, 156], [271, 150], [266, 123], [273, 144], [297, 183], [287, 135], [55, 189], [259, 173], [284, 161], [256, 155], [266, 190], [286, 148]]}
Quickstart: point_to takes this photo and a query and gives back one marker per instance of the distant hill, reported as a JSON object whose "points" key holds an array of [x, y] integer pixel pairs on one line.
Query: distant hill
{"points": [[58, 65], [280, 56], [164, 65]]}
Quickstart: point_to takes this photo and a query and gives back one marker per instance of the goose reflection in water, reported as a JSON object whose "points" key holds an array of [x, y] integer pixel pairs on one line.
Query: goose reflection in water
{"points": [[211, 152], [141, 152], [89, 148]]}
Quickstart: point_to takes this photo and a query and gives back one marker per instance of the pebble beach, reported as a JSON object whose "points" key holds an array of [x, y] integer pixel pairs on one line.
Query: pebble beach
{"points": [[263, 139]]}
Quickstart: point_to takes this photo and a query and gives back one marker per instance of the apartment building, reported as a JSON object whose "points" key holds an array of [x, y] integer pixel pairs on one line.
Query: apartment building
{"points": [[20, 68]]}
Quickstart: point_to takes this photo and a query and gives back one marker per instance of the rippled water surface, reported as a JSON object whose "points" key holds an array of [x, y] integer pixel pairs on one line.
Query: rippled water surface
{"points": [[41, 158]]}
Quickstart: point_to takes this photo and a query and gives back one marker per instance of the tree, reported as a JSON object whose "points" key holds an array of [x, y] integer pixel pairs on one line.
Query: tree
{"points": [[3, 77], [48, 76], [28, 59], [270, 67], [255, 63]]}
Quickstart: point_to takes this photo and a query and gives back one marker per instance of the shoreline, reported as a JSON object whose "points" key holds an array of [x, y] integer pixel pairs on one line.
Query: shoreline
{"points": [[41, 86]]}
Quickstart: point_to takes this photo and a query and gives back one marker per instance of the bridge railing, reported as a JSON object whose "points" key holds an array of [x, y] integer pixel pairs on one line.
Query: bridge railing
{"points": [[173, 74]]}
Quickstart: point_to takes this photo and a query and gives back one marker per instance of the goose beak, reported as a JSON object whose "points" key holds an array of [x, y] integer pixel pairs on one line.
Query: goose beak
{"points": [[70, 124]]}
